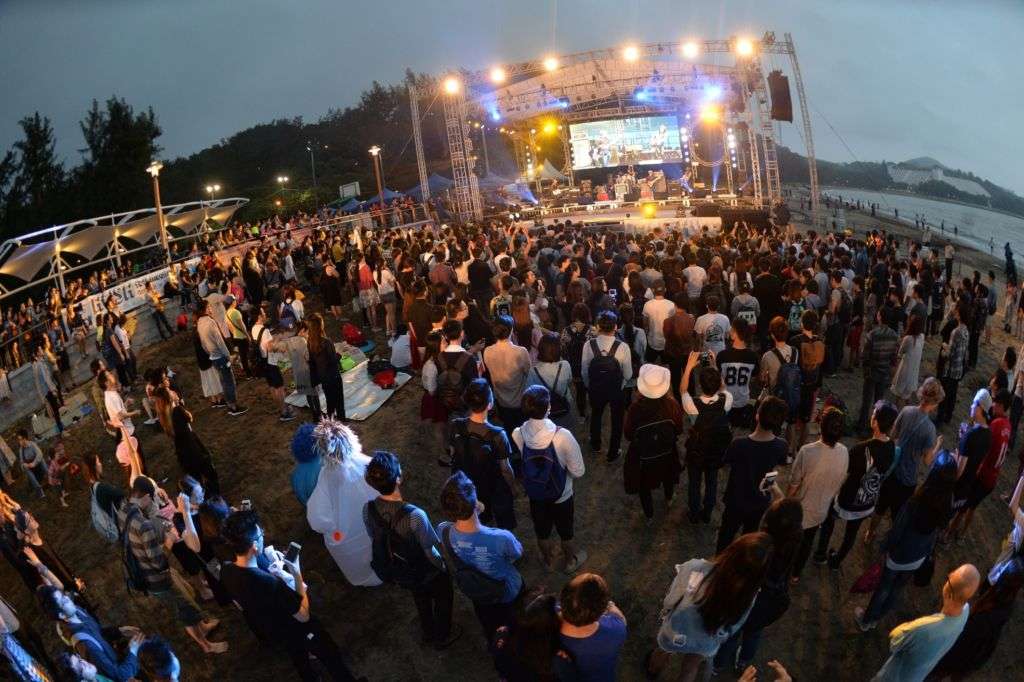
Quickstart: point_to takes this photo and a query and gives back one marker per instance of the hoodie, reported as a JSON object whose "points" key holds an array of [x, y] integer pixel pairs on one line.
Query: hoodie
{"points": [[538, 434]]}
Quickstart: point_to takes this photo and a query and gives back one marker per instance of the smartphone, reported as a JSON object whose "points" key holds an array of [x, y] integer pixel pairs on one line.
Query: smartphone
{"points": [[293, 552], [245, 505], [768, 481], [614, 293]]}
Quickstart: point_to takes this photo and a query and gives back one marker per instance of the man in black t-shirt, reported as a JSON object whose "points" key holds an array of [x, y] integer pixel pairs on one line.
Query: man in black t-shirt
{"points": [[749, 458], [276, 612], [738, 365]]}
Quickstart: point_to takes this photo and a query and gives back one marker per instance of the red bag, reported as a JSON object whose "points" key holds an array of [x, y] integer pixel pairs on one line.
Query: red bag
{"points": [[352, 335], [385, 379], [182, 322], [869, 581]]}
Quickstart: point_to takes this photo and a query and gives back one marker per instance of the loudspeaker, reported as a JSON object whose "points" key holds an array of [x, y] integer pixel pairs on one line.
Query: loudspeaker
{"points": [[703, 210], [782, 105]]}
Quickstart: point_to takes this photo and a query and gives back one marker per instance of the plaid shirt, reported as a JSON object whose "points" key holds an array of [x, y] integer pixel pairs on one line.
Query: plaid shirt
{"points": [[146, 537], [879, 350], [957, 356]]}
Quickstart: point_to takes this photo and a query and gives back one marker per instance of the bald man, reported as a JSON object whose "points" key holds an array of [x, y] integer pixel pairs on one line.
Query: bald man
{"points": [[919, 644]]}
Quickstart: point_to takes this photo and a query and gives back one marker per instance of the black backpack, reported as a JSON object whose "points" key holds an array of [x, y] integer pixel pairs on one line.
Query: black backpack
{"points": [[395, 559], [574, 350], [605, 373], [630, 341], [478, 586], [134, 576], [655, 440], [710, 435], [845, 307], [450, 381], [476, 456], [256, 359], [559, 403]]}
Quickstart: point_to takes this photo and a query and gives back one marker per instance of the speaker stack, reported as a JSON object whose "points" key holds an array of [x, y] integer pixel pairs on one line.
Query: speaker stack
{"points": [[782, 104]]}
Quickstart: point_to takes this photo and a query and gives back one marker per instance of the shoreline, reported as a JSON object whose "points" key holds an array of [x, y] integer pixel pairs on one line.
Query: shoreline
{"points": [[913, 195]]}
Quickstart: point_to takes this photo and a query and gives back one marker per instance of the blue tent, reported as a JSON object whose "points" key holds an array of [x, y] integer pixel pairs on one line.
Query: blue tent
{"points": [[437, 184], [350, 205], [389, 194]]}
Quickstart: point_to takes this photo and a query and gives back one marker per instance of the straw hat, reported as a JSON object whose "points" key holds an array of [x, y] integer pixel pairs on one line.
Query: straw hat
{"points": [[653, 381]]}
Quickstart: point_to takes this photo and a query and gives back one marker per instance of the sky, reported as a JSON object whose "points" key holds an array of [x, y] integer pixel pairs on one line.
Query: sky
{"points": [[885, 79]]}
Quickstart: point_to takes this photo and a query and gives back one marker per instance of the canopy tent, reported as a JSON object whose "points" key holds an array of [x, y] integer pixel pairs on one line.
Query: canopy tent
{"points": [[437, 184], [549, 172], [345, 206]]}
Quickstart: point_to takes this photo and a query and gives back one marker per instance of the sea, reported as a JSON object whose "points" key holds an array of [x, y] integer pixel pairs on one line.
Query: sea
{"points": [[974, 225]]}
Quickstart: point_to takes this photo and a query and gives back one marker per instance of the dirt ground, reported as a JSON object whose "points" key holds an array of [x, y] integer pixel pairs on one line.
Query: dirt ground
{"points": [[816, 639]]}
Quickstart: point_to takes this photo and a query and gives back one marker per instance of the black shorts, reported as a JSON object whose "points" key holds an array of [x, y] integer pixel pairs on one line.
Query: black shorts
{"points": [[892, 497], [548, 514], [272, 374], [742, 417], [808, 394]]}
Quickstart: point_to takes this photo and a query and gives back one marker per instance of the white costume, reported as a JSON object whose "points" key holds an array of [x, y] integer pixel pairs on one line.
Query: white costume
{"points": [[335, 510]]}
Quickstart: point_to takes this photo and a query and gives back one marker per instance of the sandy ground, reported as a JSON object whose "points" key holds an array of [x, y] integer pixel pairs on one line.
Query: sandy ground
{"points": [[816, 639]]}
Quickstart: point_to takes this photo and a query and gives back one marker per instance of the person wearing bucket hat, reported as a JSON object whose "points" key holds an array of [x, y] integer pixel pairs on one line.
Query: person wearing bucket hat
{"points": [[653, 425]]}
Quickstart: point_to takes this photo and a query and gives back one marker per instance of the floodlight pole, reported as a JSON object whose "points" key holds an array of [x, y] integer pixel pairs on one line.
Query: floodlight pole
{"points": [[154, 171], [375, 154]]}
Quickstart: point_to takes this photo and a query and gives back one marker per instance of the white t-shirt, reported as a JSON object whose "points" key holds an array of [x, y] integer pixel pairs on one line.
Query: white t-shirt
{"points": [[690, 408], [713, 329], [115, 406], [265, 340], [386, 285], [656, 311], [695, 278]]}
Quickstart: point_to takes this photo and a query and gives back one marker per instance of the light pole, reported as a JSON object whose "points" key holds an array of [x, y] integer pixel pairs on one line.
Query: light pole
{"points": [[375, 153], [311, 147], [212, 191], [154, 170], [282, 180]]}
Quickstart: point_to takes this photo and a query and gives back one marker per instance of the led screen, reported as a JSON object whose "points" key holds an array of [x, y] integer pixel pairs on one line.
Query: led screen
{"points": [[643, 140]]}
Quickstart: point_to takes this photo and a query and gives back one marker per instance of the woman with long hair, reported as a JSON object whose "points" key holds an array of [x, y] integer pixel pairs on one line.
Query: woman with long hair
{"points": [[387, 287], [323, 367], [369, 296], [708, 602], [330, 289], [912, 538], [530, 650], [907, 378], [193, 457], [782, 521], [524, 332]]}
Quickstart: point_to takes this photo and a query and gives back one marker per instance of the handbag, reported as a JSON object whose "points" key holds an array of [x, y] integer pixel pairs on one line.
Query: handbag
{"points": [[869, 581]]}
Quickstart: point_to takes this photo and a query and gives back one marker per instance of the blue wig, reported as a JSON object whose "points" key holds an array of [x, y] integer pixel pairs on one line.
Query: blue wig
{"points": [[304, 444]]}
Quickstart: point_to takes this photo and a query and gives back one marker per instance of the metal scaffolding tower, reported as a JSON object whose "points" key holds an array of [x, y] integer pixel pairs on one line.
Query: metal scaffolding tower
{"points": [[417, 137], [465, 191], [769, 160], [812, 163]]}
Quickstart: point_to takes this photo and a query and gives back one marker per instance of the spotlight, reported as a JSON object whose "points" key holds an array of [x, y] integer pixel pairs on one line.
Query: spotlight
{"points": [[640, 96], [497, 75], [744, 47], [691, 50], [495, 115], [631, 53], [550, 63], [549, 127], [710, 114], [452, 85], [649, 210], [714, 92]]}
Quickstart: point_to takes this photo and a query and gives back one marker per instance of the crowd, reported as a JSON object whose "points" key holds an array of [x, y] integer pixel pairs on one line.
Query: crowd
{"points": [[709, 353]]}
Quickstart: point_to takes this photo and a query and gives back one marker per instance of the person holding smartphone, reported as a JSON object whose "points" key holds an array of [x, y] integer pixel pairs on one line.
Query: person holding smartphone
{"points": [[277, 613]]}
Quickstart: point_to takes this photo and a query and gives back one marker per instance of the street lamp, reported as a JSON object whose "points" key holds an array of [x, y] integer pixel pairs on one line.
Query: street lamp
{"points": [[311, 147], [212, 191], [282, 180], [375, 153], [154, 170]]}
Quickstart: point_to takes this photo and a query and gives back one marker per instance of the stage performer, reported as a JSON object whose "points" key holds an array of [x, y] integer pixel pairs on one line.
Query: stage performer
{"points": [[335, 509]]}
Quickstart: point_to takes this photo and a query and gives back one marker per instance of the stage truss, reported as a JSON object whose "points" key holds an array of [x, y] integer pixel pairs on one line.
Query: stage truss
{"points": [[604, 84]]}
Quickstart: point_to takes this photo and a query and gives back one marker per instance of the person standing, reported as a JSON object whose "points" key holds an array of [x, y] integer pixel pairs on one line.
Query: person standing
{"points": [[193, 457], [551, 460], [750, 458], [263, 341], [407, 552], [709, 437], [274, 599], [918, 645], [653, 425], [953, 357], [508, 365], [158, 312], [908, 371], [880, 346], [738, 366], [818, 471], [712, 328], [46, 386], [679, 340], [240, 339], [212, 341], [606, 366], [480, 559], [593, 629], [655, 313], [33, 462], [324, 368]]}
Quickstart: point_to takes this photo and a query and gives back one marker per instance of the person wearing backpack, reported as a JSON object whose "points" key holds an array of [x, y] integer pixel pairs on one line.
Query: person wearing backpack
{"points": [[480, 559], [606, 364], [811, 353], [709, 437], [555, 374], [551, 460], [407, 552], [481, 450], [871, 461], [573, 338], [148, 538], [653, 425], [877, 358], [508, 367], [636, 340]]}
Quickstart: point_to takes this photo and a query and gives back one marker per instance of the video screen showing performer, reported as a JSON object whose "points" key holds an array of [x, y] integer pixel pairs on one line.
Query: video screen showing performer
{"points": [[643, 140]]}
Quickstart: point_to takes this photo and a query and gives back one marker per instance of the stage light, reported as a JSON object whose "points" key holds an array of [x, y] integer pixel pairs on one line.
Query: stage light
{"points": [[495, 115], [452, 85], [710, 114], [744, 47], [551, 63], [549, 127], [631, 53], [649, 210], [640, 96], [497, 75], [691, 50], [714, 92]]}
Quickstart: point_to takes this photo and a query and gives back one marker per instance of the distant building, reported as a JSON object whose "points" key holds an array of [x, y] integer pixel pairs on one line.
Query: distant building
{"points": [[925, 169]]}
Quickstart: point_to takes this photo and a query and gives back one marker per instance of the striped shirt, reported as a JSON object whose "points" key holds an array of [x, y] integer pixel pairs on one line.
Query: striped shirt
{"points": [[146, 538]]}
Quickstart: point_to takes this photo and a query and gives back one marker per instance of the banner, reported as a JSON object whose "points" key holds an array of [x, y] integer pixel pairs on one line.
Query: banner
{"points": [[128, 295]]}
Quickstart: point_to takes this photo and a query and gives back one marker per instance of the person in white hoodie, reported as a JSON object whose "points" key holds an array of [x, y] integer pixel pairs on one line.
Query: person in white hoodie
{"points": [[551, 460]]}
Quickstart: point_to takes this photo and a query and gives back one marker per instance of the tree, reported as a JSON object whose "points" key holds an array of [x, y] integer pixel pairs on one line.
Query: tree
{"points": [[32, 180], [119, 145]]}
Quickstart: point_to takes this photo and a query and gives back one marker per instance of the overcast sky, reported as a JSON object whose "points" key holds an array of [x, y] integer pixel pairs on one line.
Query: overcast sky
{"points": [[895, 78]]}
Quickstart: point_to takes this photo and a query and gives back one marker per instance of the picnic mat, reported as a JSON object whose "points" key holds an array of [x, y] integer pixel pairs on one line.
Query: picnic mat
{"points": [[362, 396]]}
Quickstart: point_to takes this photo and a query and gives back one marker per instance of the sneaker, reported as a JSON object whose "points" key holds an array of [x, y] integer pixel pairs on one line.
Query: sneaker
{"points": [[150, 422], [453, 635], [573, 564], [819, 559], [286, 417], [237, 411], [858, 616], [219, 404]]}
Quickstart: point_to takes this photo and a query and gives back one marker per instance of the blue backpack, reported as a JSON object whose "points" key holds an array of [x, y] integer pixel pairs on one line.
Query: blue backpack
{"points": [[787, 383], [543, 475]]}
